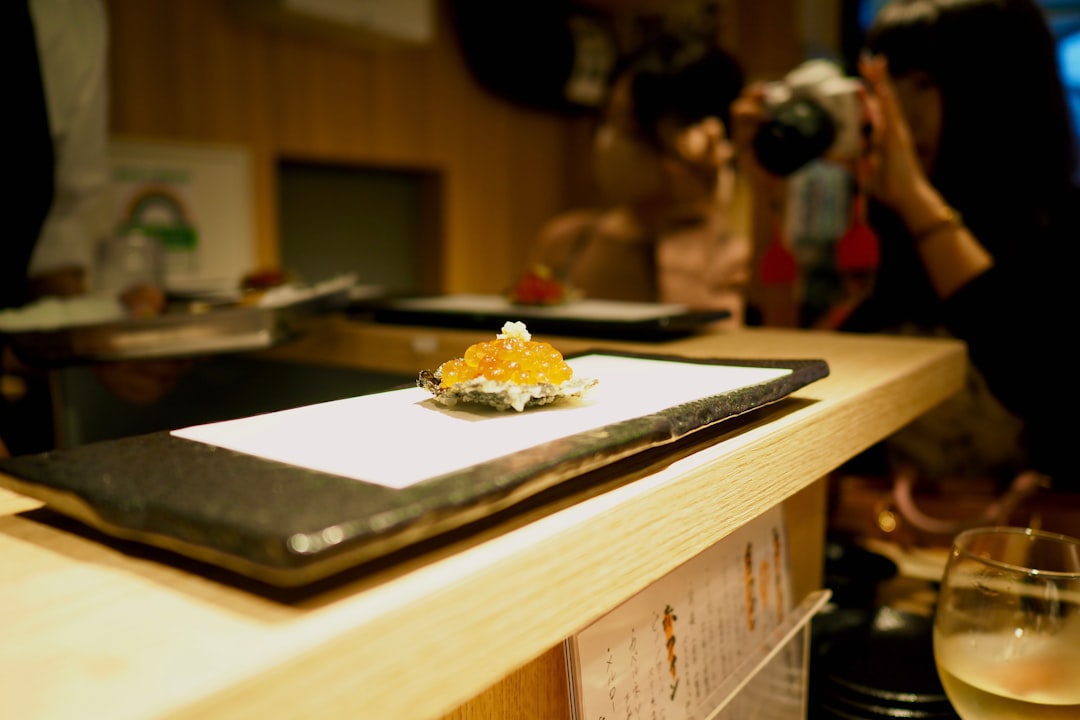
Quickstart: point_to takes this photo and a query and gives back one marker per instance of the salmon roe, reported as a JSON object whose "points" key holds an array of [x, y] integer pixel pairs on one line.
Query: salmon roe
{"points": [[513, 357]]}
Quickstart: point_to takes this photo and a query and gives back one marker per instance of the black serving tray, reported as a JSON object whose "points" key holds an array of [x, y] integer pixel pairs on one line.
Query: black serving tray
{"points": [[612, 319], [226, 328], [290, 525]]}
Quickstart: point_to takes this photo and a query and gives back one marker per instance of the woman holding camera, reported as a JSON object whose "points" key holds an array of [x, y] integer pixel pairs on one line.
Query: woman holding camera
{"points": [[971, 167]]}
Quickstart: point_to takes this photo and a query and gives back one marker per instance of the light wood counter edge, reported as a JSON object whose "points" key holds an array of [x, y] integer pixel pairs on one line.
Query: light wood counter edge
{"points": [[496, 605]]}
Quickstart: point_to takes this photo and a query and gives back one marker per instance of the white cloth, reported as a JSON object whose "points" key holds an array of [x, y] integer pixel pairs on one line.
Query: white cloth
{"points": [[72, 38]]}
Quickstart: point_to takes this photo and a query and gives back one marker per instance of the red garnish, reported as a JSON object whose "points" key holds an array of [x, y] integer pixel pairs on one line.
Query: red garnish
{"points": [[263, 279], [538, 287]]}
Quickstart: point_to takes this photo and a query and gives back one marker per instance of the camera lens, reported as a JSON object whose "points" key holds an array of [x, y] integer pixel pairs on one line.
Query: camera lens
{"points": [[799, 131]]}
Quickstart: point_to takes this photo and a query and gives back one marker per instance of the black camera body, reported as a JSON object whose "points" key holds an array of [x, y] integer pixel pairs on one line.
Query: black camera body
{"points": [[814, 112]]}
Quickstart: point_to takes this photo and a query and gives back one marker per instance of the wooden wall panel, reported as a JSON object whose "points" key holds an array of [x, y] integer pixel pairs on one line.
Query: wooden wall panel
{"points": [[196, 70], [769, 35], [193, 70]]}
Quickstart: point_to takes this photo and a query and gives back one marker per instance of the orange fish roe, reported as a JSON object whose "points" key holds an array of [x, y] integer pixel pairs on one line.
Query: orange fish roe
{"points": [[513, 357]]}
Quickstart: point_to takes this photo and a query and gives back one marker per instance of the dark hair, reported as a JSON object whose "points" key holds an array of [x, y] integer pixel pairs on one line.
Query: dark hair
{"points": [[1007, 143], [680, 80]]}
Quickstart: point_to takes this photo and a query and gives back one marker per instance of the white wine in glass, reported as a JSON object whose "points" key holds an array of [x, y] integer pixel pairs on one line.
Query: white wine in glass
{"points": [[1007, 625]]}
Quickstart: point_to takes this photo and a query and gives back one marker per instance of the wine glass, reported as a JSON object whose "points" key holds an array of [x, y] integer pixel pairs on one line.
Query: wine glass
{"points": [[1007, 625]]}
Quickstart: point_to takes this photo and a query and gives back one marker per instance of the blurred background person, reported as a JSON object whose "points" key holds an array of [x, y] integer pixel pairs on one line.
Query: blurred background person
{"points": [[60, 156], [62, 145], [663, 165], [970, 168]]}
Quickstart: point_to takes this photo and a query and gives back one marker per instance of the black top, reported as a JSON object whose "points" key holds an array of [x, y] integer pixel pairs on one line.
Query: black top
{"points": [[31, 159], [1016, 319]]}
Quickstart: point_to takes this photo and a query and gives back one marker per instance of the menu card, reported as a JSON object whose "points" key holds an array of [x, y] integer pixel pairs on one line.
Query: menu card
{"points": [[678, 649]]}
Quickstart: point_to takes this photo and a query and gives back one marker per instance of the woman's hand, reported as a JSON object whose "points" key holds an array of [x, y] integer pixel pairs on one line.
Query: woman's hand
{"points": [[951, 255], [748, 112], [893, 173]]}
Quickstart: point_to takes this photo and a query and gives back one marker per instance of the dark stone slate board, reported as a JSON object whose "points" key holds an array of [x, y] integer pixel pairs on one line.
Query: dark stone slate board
{"points": [[289, 526]]}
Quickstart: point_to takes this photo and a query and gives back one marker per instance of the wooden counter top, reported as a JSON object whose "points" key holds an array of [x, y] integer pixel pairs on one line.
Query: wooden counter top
{"points": [[95, 628]]}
